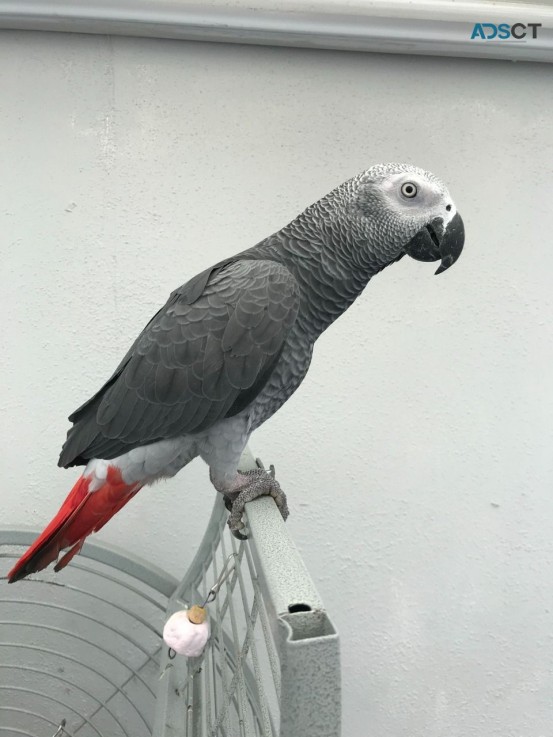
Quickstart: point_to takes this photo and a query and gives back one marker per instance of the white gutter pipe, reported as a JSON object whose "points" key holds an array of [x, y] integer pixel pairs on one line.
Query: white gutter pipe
{"points": [[432, 27]]}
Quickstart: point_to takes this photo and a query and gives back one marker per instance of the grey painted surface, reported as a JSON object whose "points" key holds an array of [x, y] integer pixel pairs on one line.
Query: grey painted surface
{"points": [[418, 454]]}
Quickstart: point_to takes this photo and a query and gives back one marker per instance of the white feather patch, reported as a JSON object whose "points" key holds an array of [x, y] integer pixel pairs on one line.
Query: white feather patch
{"points": [[97, 470], [144, 464]]}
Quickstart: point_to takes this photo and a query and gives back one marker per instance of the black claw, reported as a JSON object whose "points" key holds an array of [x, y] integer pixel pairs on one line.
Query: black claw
{"points": [[229, 499], [239, 535], [261, 467]]}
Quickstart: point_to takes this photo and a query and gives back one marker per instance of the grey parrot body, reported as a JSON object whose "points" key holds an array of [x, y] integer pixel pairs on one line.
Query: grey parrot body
{"points": [[232, 345]]}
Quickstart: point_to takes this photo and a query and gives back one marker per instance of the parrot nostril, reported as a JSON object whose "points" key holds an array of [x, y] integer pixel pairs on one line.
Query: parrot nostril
{"points": [[448, 207]]}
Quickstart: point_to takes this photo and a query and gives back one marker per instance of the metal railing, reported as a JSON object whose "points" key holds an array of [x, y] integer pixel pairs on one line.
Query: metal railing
{"points": [[271, 667]]}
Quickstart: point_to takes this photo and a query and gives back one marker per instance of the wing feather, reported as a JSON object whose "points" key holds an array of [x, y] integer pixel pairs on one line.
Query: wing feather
{"points": [[204, 356]]}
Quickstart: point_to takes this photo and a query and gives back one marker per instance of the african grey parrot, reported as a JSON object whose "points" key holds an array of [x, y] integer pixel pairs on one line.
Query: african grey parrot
{"points": [[232, 345]]}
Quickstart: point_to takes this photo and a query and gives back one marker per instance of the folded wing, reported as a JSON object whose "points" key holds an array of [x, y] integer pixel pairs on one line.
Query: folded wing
{"points": [[203, 357]]}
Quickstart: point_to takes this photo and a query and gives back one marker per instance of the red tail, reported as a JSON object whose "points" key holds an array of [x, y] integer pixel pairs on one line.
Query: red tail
{"points": [[82, 513]]}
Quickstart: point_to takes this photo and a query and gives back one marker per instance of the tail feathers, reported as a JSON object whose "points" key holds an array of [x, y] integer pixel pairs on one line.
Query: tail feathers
{"points": [[82, 513]]}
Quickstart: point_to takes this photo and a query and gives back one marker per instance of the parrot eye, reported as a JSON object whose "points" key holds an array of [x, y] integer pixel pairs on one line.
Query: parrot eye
{"points": [[409, 190]]}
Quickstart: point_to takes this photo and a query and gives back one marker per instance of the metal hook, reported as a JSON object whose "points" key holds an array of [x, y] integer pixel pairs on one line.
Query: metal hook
{"points": [[60, 730], [171, 655], [164, 671], [214, 590]]}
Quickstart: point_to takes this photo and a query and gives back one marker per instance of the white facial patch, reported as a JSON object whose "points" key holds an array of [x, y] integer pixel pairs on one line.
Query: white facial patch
{"points": [[431, 199]]}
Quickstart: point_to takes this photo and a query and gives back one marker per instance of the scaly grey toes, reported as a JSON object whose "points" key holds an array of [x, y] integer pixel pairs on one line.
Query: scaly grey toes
{"points": [[262, 484]]}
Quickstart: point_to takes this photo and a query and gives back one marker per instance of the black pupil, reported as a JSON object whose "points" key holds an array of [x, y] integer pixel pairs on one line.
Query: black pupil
{"points": [[409, 189]]}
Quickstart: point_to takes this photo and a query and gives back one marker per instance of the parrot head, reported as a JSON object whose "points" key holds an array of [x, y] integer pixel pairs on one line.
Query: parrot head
{"points": [[410, 211]]}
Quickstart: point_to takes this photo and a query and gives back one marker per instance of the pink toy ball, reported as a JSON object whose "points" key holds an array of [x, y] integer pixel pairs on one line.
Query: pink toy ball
{"points": [[187, 631]]}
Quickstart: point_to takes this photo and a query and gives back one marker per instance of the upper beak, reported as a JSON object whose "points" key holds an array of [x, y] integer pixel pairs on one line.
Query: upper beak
{"points": [[433, 242]]}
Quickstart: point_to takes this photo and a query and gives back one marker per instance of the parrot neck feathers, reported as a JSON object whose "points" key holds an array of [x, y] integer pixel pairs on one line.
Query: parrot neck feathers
{"points": [[330, 266]]}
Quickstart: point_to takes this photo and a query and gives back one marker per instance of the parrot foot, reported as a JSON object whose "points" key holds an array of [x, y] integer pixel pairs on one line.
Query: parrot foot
{"points": [[257, 483]]}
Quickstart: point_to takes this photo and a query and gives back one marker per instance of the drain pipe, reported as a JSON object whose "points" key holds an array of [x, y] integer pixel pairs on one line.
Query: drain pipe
{"points": [[431, 27]]}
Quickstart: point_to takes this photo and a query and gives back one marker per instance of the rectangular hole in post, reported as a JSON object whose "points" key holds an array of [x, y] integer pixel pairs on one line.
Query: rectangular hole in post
{"points": [[306, 625], [294, 608]]}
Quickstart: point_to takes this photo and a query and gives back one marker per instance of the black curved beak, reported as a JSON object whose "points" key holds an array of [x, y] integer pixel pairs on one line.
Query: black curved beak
{"points": [[433, 242]]}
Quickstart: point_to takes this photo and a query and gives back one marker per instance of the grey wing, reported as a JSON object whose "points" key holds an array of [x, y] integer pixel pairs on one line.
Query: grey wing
{"points": [[194, 363]]}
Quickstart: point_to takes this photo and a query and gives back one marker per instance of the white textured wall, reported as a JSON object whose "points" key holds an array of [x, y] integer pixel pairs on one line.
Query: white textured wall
{"points": [[418, 455]]}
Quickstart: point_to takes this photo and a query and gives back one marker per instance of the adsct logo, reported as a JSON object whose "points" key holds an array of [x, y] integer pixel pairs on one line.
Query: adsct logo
{"points": [[504, 31]]}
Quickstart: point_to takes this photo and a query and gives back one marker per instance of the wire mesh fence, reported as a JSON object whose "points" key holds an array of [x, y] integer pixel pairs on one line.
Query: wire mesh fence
{"points": [[271, 666], [234, 688]]}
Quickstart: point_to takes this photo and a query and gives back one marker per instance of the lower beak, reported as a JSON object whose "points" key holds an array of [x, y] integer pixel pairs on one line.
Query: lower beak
{"points": [[433, 243]]}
